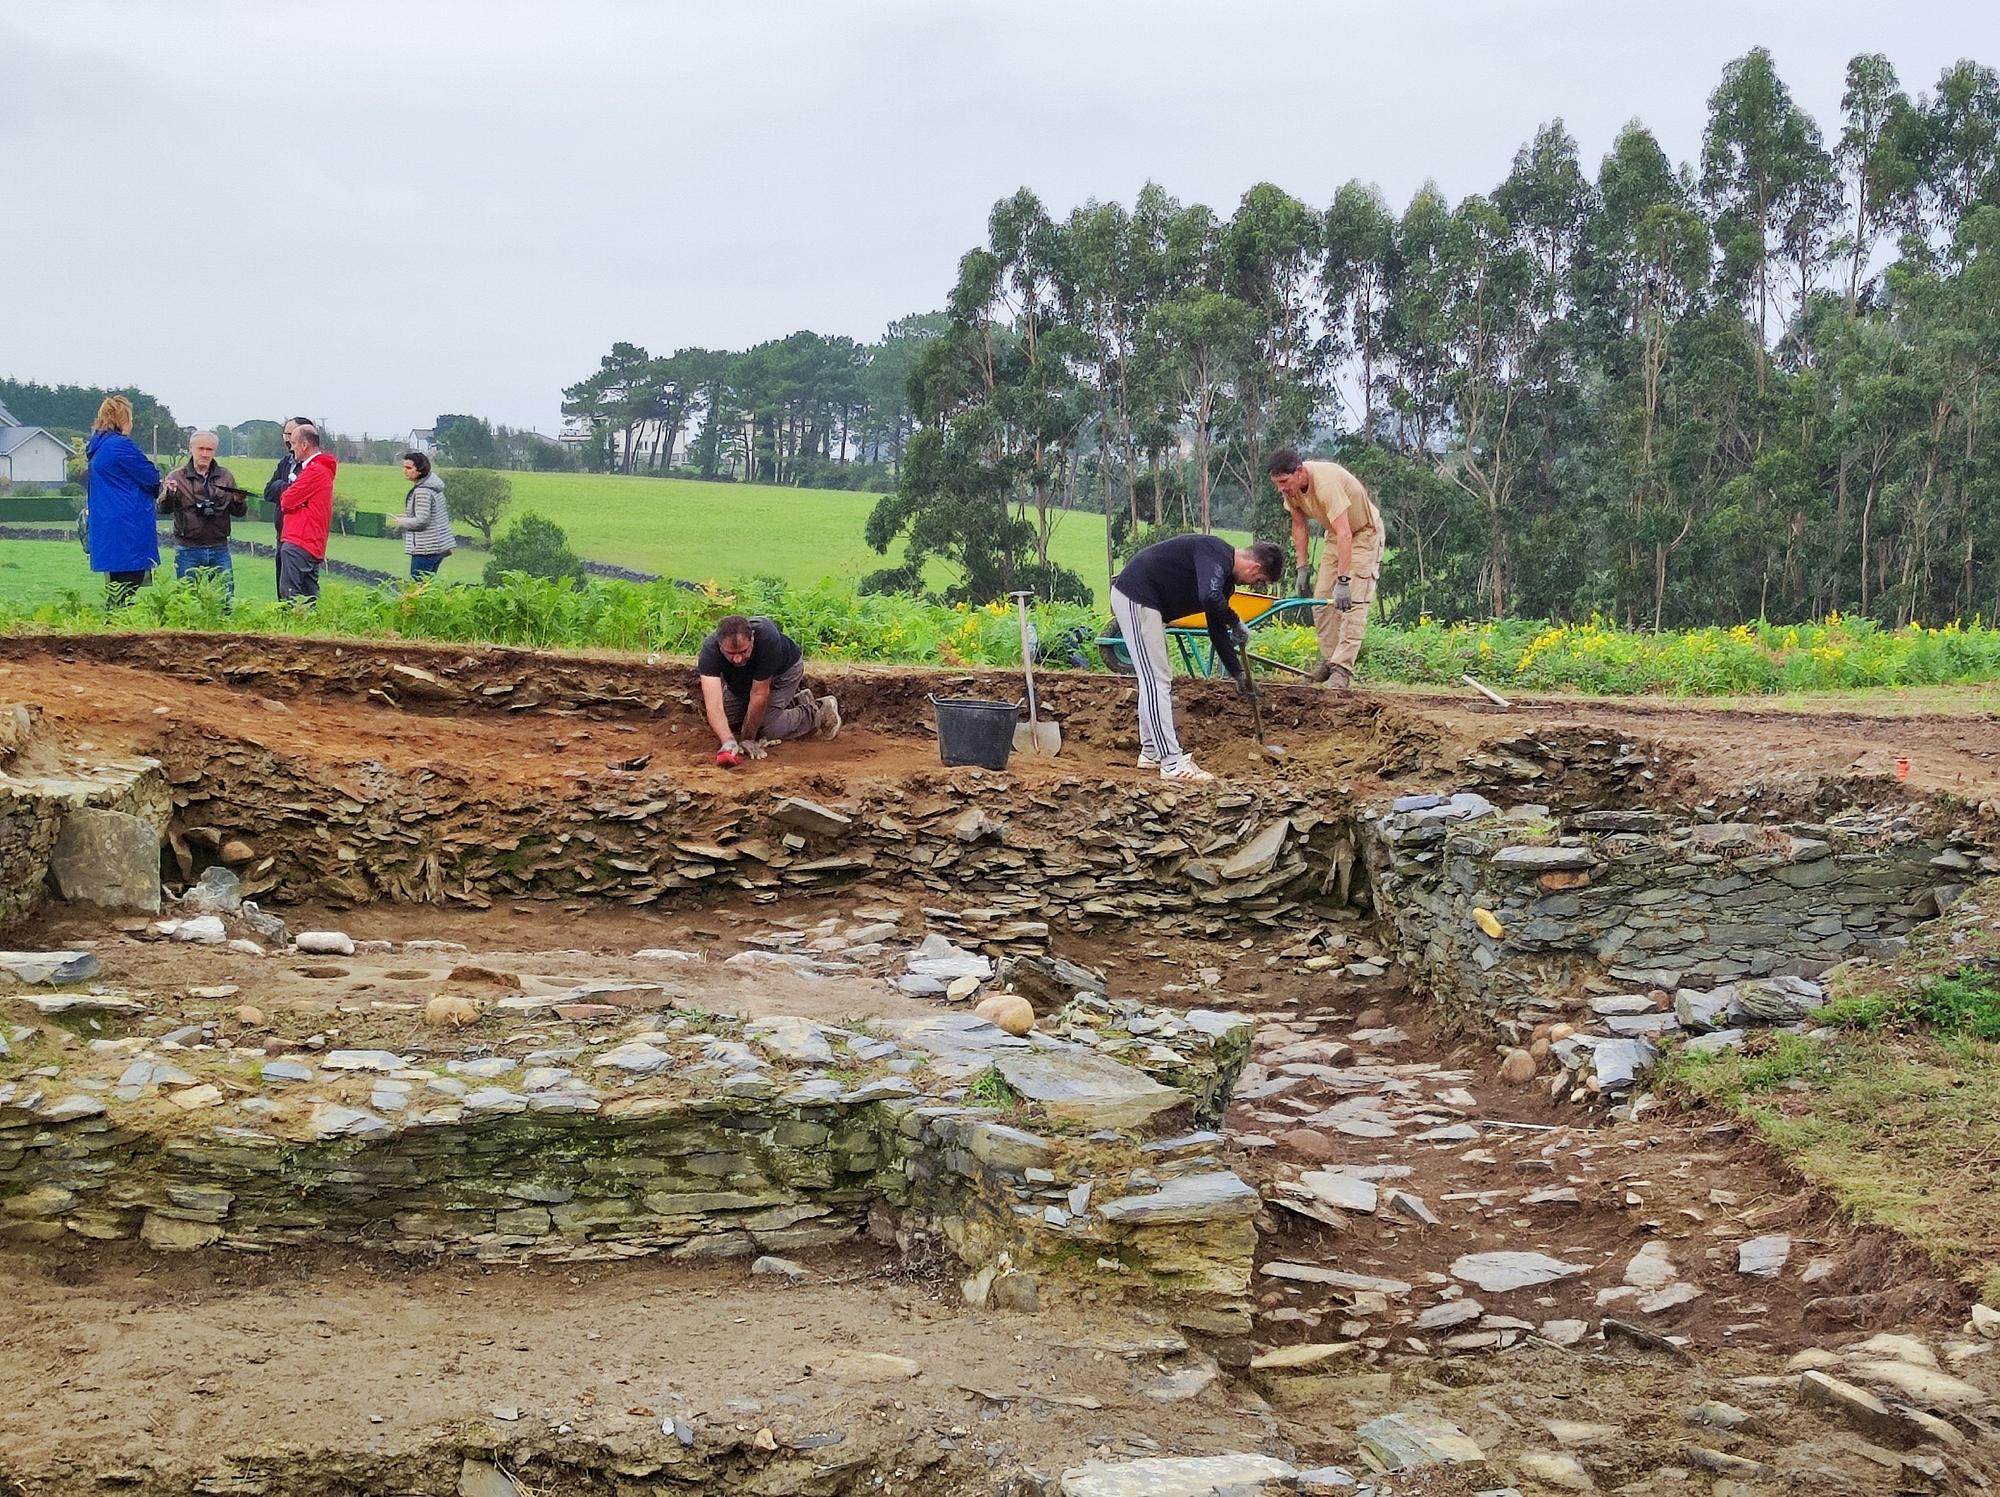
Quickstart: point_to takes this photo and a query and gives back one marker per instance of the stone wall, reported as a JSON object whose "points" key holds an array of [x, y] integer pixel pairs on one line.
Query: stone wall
{"points": [[1633, 899], [670, 1138], [38, 789], [1082, 850]]}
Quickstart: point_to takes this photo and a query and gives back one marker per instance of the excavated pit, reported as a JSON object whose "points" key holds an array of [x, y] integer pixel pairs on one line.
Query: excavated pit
{"points": [[1236, 1196]]}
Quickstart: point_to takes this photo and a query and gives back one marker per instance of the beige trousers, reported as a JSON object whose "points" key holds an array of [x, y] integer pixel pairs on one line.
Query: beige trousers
{"points": [[1340, 633]]}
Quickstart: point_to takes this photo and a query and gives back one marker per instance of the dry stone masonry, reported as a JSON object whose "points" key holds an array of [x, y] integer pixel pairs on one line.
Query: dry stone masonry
{"points": [[1514, 917], [677, 1134]]}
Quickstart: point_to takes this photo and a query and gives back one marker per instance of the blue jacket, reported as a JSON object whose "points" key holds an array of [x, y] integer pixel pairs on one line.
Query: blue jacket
{"points": [[121, 486]]}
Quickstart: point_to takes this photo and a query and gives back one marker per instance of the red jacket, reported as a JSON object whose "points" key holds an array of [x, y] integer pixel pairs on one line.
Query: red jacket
{"points": [[308, 506]]}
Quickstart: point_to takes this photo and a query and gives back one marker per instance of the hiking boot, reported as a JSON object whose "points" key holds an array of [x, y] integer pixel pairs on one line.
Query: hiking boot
{"points": [[826, 717], [1321, 672], [1339, 677]]}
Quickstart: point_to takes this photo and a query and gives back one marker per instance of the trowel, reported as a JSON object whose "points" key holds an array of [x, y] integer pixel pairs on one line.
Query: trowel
{"points": [[1033, 736]]}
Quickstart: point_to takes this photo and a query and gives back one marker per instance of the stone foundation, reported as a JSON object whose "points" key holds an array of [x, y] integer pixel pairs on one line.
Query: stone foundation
{"points": [[1602, 900], [1090, 849], [695, 1139]]}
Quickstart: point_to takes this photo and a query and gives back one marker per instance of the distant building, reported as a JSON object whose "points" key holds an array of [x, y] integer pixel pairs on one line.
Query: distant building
{"points": [[31, 457], [423, 439]]}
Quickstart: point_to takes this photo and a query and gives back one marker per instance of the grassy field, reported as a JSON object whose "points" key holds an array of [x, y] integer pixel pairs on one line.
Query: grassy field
{"points": [[706, 532], [1898, 1116], [38, 572]]}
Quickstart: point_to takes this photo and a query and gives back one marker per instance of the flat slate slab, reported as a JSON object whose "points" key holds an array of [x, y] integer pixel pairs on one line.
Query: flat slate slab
{"points": [[1191, 1476], [1535, 859], [1082, 1087], [1499, 1273], [1187, 1198], [49, 968]]}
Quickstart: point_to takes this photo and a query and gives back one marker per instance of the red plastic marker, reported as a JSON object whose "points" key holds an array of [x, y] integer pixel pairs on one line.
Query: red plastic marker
{"points": [[726, 759], [1902, 769]]}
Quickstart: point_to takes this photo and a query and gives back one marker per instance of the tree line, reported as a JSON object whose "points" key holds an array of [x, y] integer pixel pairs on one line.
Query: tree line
{"points": [[1762, 384], [807, 410]]}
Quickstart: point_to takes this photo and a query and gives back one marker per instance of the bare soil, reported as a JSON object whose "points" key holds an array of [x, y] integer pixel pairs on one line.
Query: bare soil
{"points": [[334, 1373], [488, 711]]}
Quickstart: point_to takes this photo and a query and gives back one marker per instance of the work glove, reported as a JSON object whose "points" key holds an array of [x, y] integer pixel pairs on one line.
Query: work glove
{"points": [[1302, 581], [1240, 632], [1245, 687], [756, 748], [730, 754], [1343, 594]]}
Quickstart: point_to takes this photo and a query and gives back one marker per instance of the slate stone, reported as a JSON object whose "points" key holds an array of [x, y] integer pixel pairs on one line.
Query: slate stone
{"points": [[791, 1039], [1259, 855], [637, 1056], [1526, 857], [1084, 1087], [1412, 1438], [1504, 1272], [1187, 1476], [1763, 1257], [50, 968], [1220, 1196], [109, 859]]}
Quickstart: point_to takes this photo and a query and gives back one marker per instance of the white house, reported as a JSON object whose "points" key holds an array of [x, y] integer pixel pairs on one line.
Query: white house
{"points": [[30, 456], [422, 439]]}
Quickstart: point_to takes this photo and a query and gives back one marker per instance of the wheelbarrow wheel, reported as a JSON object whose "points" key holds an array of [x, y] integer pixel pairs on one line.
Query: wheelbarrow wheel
{"points": [[1115, 657]]}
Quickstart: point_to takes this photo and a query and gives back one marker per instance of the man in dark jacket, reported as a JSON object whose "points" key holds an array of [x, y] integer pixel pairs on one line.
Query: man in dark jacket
{"points": [[281, 479], [201, 495], [1184, 575]]}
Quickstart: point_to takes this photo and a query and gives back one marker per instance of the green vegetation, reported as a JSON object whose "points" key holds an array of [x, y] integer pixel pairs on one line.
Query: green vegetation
{"points": [[534, 547], [990, 1089], [1964, 1003], [1894, 1111], [833, 622]]}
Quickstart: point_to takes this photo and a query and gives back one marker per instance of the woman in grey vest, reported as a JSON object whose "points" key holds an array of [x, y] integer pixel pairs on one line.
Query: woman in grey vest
{"points": [[424, 522]]}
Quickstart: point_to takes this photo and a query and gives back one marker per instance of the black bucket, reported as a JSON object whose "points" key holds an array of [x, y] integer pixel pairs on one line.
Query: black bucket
{"points": [[971, 731]]}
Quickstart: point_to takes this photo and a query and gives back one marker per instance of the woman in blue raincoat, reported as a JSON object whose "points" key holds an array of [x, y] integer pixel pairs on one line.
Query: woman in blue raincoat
{"points": [[121, 486]]}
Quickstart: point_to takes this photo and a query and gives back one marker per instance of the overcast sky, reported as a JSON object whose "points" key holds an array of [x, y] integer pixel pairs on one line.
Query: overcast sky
{"points": [[378, 212]]}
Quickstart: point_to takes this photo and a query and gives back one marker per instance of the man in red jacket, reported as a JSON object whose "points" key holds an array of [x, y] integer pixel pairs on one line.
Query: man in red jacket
{"points": [[307, 507]]}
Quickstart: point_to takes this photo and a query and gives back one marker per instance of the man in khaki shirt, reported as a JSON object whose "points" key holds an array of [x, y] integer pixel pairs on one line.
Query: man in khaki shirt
{"points": [[1349, 564]]}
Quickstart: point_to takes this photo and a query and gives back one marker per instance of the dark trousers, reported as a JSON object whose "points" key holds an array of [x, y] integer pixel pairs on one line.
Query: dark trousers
{"points": [[119, 586], [298, 573], [426, 563]]}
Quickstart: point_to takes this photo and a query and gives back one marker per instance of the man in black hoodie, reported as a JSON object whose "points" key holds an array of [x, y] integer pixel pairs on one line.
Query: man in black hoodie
{"points": [[1185, 575], [281, 479]]}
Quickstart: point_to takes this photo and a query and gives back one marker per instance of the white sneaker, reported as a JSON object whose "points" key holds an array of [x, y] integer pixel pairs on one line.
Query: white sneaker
{"points": [[826, 717], [1185, 769], [1147, 761]]}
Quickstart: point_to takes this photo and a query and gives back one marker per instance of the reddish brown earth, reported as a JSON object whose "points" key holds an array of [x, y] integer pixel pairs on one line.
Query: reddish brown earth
{"points": [[126, 1371]]}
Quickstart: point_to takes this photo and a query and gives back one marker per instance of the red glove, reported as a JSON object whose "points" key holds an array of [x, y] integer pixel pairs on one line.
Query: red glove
{"points": [[729, 755]]}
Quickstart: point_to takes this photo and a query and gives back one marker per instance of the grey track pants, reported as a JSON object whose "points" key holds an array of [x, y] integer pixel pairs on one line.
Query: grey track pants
{"points": [[789, 713], [1146, 642]]}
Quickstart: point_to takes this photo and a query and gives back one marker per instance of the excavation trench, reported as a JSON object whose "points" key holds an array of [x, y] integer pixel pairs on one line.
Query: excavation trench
{"points": [[1257, 1139]]}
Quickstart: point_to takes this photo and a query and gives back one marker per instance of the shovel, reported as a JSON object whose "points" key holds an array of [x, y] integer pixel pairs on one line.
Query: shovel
{"points": [[1033, 736], [1265, 747]]}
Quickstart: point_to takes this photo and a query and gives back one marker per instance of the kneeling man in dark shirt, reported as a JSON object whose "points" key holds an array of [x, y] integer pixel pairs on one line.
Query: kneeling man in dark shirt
{"points": [[753, 690]]}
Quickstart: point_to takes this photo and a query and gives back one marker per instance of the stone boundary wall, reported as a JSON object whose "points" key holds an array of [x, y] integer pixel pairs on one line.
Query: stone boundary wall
{"points": [[1080, 851], [1634, 899], [579, 1152]]}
